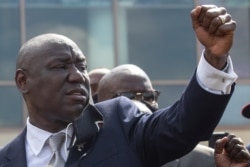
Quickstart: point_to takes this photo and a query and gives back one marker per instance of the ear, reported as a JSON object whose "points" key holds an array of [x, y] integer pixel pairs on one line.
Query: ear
{"points": [[21, 81]]}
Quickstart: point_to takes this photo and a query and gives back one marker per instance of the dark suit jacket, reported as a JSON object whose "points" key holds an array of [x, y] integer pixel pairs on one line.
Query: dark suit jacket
{"points": [[129, 138]]}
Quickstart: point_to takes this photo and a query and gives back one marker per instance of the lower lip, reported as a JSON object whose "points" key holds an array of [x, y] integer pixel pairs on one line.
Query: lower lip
{"points": [[78, 98]]}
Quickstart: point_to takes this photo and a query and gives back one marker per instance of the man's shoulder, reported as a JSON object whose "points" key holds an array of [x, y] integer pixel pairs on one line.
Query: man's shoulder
{"points": [[120, 107], [114, 100], [13, 153], [4, 151], [114, 103], [15, 143], [200, 156], [204, 150], [202, 153]]}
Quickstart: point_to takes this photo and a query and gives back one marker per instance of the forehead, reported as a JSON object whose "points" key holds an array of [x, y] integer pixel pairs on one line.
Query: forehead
{"points": [[132, 83], [61, 50], [95, 77]]}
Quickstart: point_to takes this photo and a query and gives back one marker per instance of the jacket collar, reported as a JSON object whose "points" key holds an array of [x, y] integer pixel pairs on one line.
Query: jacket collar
{"points": [[85, 129], [87, 126]]}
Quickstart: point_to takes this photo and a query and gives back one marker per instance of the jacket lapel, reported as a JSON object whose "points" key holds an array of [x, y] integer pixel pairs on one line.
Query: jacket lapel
{"points": [[15, 152], [86, 127]]}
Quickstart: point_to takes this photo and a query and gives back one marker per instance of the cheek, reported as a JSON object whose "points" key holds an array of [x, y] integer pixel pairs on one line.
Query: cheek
{"points": [[48, 90]]}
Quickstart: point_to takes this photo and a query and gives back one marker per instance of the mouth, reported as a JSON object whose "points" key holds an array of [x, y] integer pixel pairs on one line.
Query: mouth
{"points": [[77, 94]]}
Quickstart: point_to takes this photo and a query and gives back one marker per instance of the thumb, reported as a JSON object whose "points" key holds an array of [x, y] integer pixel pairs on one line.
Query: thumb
{"points": [[220, 144]]}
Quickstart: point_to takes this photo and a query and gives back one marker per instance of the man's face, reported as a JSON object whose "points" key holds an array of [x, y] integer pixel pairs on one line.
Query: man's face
{"points": [[137, 88], [58, 84]]}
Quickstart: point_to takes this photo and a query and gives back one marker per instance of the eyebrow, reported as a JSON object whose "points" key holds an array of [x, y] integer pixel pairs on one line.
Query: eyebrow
{"points": [[65, 58]]}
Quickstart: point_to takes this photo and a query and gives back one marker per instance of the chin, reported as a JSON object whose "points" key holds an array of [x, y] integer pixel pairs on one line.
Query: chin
{"points": [[72, 114]]}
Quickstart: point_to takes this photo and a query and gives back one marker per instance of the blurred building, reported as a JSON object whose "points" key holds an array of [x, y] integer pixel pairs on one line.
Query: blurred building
{"points": [[154, 34]]}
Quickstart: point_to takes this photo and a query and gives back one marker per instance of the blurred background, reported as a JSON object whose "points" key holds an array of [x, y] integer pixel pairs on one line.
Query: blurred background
{"points": [[154, 34]]}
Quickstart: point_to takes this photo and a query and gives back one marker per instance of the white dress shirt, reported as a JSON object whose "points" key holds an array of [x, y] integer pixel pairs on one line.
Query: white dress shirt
{"points": [[211, 79], [37, 149]]}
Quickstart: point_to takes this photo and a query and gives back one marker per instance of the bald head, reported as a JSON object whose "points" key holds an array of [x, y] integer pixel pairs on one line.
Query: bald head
{"points": [[127, 77], [40, 45], [95, 76], [128, 80]]}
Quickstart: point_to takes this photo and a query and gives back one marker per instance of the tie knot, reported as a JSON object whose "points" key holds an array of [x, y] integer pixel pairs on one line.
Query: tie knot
{"points": [[55, 141]]}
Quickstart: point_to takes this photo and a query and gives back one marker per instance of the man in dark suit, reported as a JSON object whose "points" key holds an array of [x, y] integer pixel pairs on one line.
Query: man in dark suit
{"points": [[52, 77]]}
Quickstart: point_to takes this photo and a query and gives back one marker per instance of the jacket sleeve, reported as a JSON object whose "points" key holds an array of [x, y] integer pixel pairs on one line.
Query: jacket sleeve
{"points": [[172, 132]]}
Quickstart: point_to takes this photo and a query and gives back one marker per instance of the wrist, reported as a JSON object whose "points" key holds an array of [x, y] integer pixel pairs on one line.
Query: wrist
{"points": [[217, 61]]}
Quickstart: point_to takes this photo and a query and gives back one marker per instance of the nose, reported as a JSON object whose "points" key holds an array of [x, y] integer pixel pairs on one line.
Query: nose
{"points": [[76, 75]]}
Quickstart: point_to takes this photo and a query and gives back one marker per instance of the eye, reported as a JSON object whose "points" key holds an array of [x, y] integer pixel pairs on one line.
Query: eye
{"points": [[129, 95], [61, 66], [82, 67], [148, 97]]}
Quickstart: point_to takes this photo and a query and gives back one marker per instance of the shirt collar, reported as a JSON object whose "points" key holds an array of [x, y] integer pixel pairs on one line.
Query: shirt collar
{"points": [[36, 137]]}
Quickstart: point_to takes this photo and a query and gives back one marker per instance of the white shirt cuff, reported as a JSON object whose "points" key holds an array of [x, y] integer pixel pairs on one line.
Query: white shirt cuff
{"points": [[214, 80]]}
